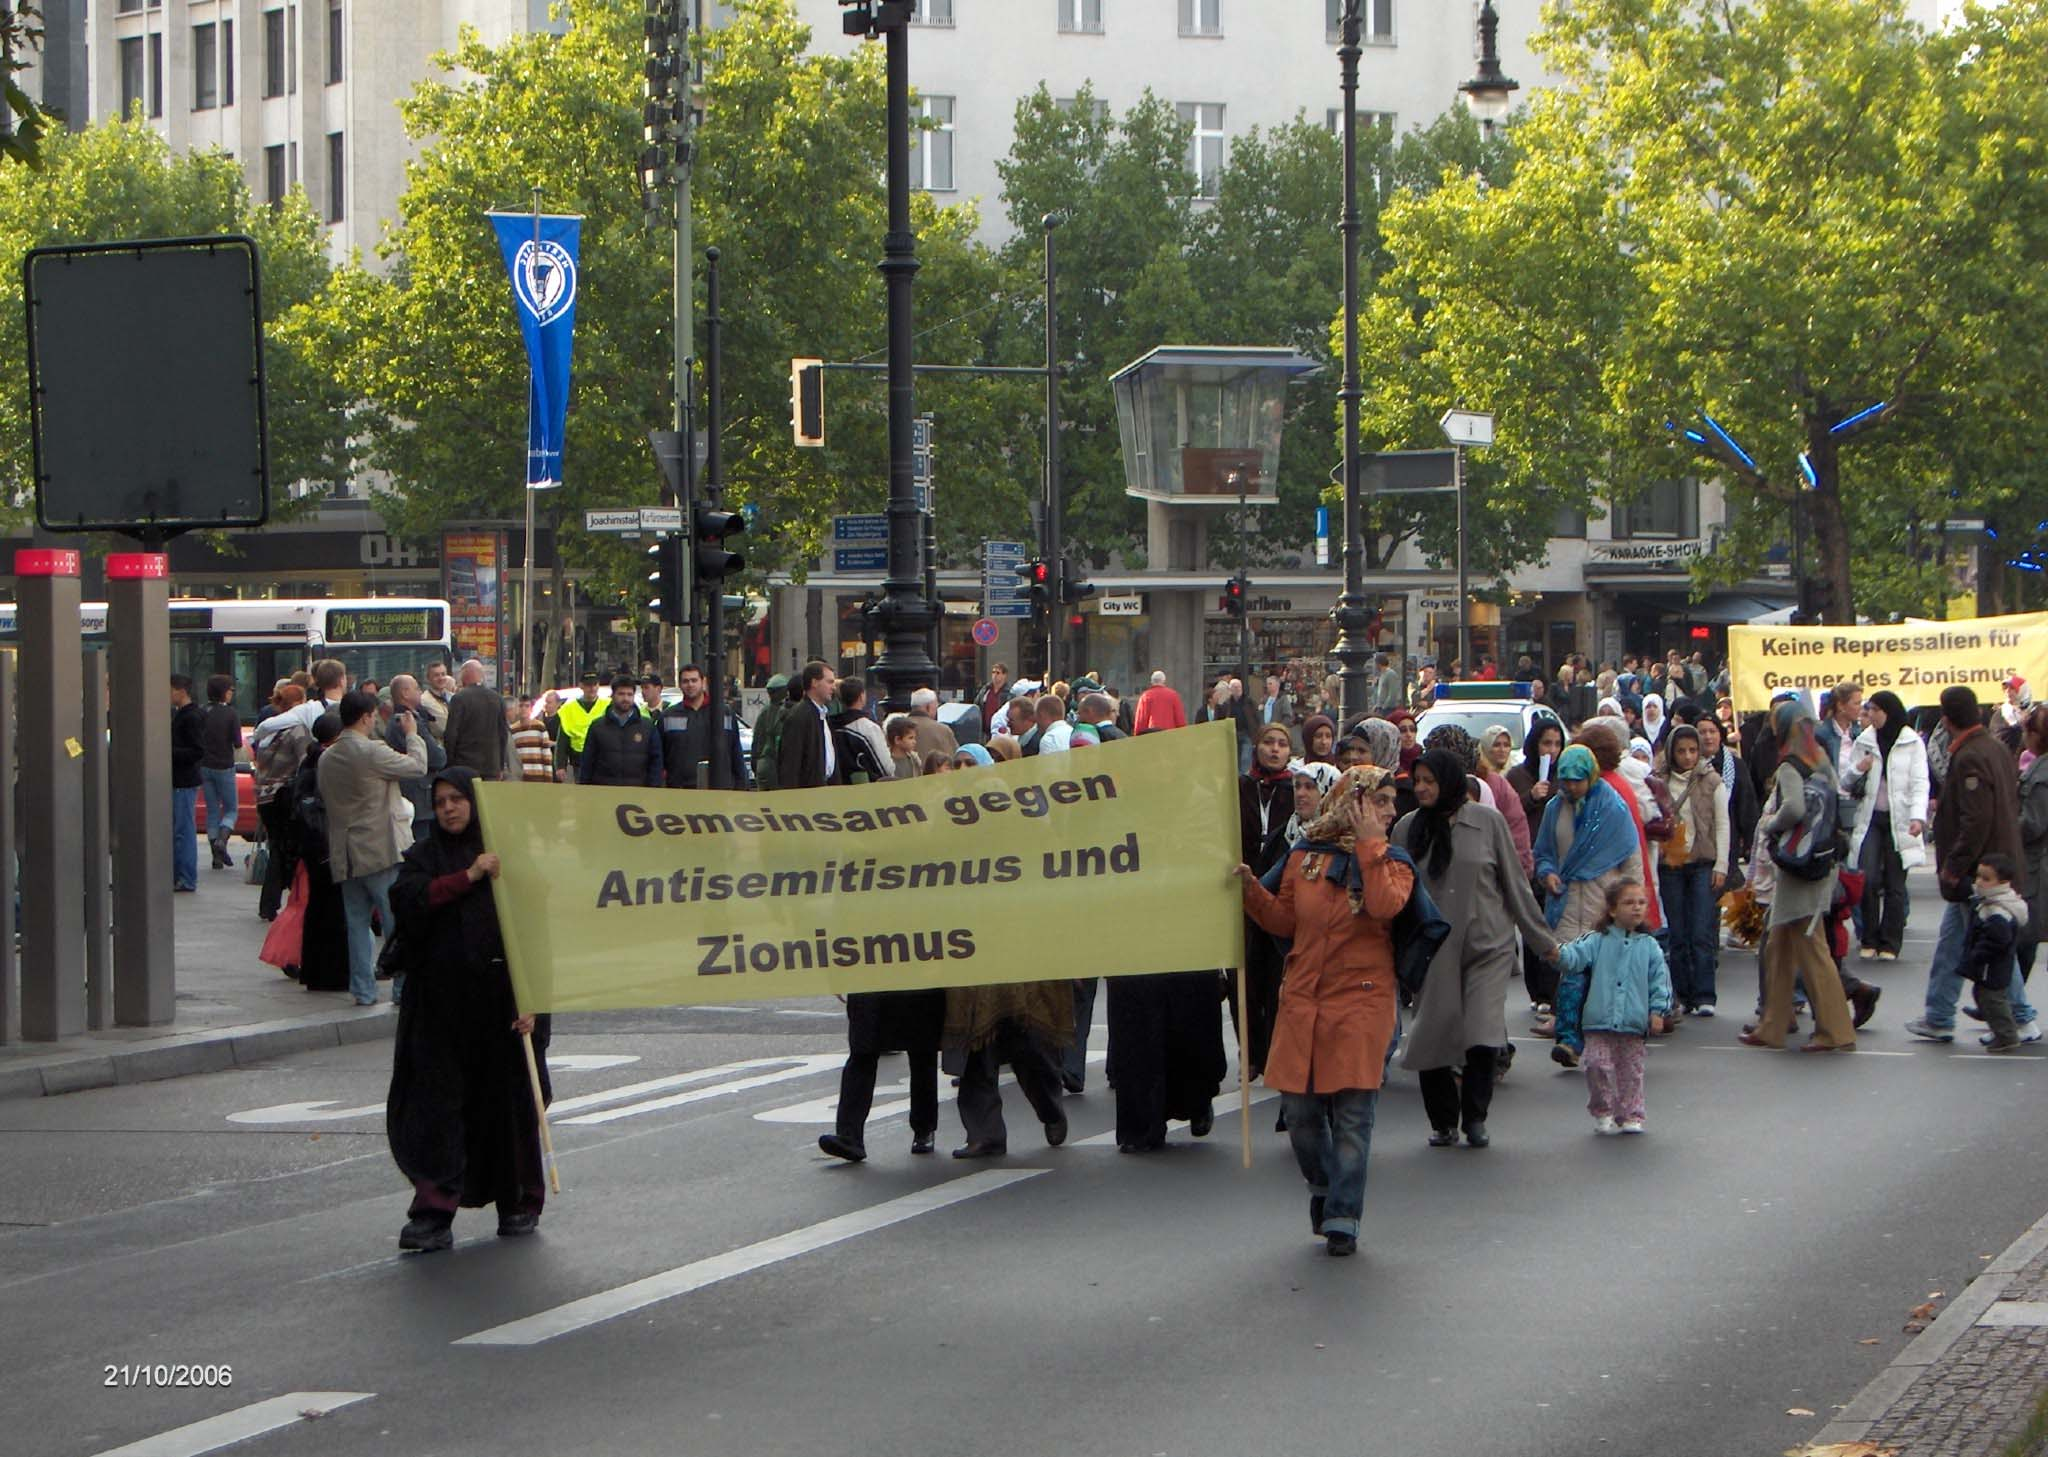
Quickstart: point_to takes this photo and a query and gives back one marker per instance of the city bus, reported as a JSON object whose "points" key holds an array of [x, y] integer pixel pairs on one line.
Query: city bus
{"points": [[256, 641]]}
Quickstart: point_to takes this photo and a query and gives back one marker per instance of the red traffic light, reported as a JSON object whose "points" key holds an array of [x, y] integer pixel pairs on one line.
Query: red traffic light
{"points": [[1041, 573], [1076, 620]]}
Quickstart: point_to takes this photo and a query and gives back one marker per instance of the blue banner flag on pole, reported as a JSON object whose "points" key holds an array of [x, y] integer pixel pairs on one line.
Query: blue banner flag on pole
{"points": [[541, 256]]}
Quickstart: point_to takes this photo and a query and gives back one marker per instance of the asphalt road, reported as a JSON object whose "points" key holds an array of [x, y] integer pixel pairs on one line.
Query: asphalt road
{"points": [[1558, 1293]]}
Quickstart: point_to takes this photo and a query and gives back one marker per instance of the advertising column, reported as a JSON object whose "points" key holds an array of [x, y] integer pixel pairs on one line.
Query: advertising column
{"points": [[471, 576]]}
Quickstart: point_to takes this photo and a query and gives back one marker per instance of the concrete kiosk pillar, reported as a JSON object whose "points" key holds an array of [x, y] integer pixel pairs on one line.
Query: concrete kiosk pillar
{"points": [[139, 626], [52, 787]]}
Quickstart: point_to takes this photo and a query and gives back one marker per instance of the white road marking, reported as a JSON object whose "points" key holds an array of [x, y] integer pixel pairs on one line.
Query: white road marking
{"points": [[787, 1068], [588, 1062], [325, 1110], [624, 1299], [1860, 1051], [825, 1110], [1226, 1110], [240, 1425]]}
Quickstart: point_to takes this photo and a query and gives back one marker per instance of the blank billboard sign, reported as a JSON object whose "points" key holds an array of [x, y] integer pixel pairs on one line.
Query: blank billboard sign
{"points": [[146, 385]]}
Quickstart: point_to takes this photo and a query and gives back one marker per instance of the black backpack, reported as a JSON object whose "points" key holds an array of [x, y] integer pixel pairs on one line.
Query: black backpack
{"points": [[1814, 848]]}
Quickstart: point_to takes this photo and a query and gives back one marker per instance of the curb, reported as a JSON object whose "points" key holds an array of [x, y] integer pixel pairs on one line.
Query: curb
{"points": [[1857, 1418], [197, 1052]]}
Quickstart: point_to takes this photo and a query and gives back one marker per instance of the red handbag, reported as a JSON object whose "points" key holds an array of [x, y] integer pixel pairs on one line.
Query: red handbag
{"points": [[287, 939]]}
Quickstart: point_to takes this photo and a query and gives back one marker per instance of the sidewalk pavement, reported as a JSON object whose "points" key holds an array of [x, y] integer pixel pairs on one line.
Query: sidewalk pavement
{"points": [[1968, 1385], [231, 1009]]}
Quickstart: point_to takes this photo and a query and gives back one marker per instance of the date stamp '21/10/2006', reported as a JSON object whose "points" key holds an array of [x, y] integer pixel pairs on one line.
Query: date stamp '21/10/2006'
{"points": [[167, 1374]]}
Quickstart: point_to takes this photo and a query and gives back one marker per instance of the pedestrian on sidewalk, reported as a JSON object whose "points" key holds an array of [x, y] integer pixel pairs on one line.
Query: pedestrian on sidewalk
{"points": [[188, 753], [1977, 814], [622, 747], [460, 1113], [532, 749], [1628, 996], [1989, 961], [406, 698], [474, 733], [1468, 864], [359, 787], [1338, 896], [1800, 825], [220, 730], [280, 746], [323, 943], [1159, 707]]}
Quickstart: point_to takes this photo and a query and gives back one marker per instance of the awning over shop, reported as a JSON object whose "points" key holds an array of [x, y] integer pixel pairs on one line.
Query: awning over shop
{"points": [[1722, 609]]}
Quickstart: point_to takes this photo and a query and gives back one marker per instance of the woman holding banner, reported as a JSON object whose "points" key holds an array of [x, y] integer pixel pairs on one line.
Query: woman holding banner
{"points": [[460, 1114], [1338, 897]]}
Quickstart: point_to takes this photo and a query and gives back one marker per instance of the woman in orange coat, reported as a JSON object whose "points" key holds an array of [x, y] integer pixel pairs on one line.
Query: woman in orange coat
{"points": [[1338, 896]]}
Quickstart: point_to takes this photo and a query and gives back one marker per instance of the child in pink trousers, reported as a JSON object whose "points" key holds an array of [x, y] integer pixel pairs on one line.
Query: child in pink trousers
{"points": [[1628, 996]]}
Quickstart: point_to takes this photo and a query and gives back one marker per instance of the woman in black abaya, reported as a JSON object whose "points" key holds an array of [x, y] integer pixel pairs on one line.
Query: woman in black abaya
{"points": [[460, 1114]]}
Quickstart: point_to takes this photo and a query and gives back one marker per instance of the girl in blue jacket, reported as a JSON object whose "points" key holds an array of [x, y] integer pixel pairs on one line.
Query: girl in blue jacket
{"points": [[1628, 995]]}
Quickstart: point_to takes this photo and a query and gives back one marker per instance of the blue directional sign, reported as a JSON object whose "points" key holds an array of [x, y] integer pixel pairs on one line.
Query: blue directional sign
{"points": [[1002, 591], [860, 528], [860, 559]]}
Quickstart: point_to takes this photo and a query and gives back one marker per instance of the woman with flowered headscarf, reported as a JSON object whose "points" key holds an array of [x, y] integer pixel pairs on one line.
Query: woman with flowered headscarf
{"points": [[1339, 894], [1796, 946], [1496, 753], [1469, 866]]}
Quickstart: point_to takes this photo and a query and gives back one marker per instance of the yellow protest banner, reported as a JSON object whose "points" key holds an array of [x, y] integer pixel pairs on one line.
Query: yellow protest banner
{"points": [[1915, 660], [1112, 859]]}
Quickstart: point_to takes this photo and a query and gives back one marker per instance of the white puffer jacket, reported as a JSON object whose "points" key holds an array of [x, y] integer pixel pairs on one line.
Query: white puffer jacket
{"points": [[1905, 784]]}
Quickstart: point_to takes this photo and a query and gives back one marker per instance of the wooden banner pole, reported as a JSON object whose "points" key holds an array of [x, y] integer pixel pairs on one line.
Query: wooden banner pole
{"points": [[540, 1109], [1244, 1081]]}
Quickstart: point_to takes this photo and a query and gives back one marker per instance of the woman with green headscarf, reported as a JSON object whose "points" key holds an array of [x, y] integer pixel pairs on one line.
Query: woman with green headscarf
{"points": [[1796, 945]]}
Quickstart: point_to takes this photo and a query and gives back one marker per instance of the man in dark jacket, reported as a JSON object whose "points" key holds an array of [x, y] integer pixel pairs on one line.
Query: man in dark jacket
{"points": [[1977, 815], [622, 746], [220, 730], [475, 736], [406, 697], [188, 752], [807, 757], [687, 736], [1097, 709]]}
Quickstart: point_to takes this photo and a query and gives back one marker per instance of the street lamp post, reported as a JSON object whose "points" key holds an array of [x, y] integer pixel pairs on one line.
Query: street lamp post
{"points": [[1489, 95], [1350, 615], [1054, 547], [905, 612]]}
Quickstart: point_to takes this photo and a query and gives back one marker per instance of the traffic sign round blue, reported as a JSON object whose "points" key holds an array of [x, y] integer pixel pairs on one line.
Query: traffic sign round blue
{"points": [[986, 631]]}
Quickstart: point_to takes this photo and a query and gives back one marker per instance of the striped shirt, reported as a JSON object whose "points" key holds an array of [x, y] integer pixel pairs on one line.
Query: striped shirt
{"points": [[536, 754]]}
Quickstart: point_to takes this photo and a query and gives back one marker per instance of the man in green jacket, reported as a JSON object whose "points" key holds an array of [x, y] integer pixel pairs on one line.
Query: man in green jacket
{"points": [[768, 733]]}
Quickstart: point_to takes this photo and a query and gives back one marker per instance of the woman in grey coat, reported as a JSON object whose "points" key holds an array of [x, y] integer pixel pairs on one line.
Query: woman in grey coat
{"points": [[1468, 863]]}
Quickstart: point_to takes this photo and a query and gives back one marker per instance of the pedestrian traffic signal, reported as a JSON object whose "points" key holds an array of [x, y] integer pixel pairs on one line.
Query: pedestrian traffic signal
{"points": [[1233, 596], [1038, 578], [712, 526], [1074, 584], [671, 602], [807, 401]]}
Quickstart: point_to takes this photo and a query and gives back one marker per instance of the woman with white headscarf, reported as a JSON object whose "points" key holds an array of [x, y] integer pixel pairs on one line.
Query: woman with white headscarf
{"points": [[1654, 720]]}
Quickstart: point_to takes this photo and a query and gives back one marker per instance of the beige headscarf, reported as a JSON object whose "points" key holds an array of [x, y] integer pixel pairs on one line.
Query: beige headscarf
{"points": [[1329, 827]]}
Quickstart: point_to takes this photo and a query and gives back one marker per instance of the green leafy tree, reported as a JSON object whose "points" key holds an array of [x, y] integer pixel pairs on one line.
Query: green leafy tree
{"points": [[1781, 214], [22, 122], [119, 180]]}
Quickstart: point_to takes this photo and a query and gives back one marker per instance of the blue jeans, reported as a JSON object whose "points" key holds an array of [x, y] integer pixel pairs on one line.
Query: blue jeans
{"points": [[359, 895], [1074, 1061], [184, 839], [1693, 916], [221, 807], [1332, 1135]]}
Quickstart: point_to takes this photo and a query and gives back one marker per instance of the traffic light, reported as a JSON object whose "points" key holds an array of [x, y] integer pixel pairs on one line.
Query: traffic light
{"points": [[1074, 585], [1233, 596], [712, 526], [1038, 577], [670, 602], [807, 401]]}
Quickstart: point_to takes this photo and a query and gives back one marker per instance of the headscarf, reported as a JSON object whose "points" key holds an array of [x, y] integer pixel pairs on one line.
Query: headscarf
{"points": [[1603, 831], [1003, 748], [1322, 775], [1429, 832], [976, 755], [1576, 762], [1454, 741], [1329, 835], [1653, 723], [1610, 707], [470, 843], [1259, 772], [1792, 724], [1309, 726], [1639, 748], [1382, 738], [1894, 720], [1488, 736], [1532, 758]]}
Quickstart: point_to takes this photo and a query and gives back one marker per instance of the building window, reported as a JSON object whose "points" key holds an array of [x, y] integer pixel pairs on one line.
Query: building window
{"points": [[127, 7], [227, 63], [1205, 147], [131, 75], [291, 153], [1376, 21], [205, 69], [273, 175], [931, 12], [291, 48], [336, 192], [1097, 107], [1333, 118], [935, 147], [1201, 17], [335, 36], [273, 53], [1664, 509], [1084, 16], [156, 73], [1569, 522]]}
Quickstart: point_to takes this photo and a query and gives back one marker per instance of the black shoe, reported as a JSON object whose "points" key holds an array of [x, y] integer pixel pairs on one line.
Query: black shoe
{"points": [[511, 1226], [1056, 1133], [1476, 1136], [1070, 1083], [1315, 1213], [974, 1149], [921, 1143], [1342, 1244], [1203, 1122], [424, 1235], [1503, 1060], [1442, 1137], [842, 1148], [1563, 1056], [1973, 1013], [1151, 1145], [1865, 1003], [1280, 1123]]}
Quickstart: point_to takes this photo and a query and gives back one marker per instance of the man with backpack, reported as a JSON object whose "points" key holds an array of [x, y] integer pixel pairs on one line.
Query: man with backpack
{"points": [[1977, 815], [768, 732], [1803, 830]]}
